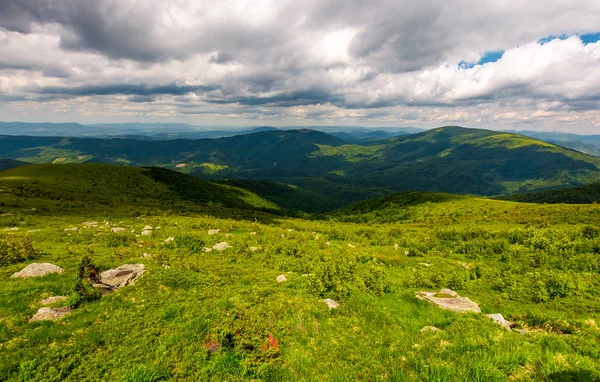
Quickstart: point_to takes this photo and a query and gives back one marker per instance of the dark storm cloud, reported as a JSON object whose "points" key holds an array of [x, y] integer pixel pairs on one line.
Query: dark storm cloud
{"points": [[115, 29], [298, 98], [126, 89]]}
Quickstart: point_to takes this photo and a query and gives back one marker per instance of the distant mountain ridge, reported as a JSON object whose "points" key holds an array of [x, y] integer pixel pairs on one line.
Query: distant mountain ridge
{"points": [[447, 159]]}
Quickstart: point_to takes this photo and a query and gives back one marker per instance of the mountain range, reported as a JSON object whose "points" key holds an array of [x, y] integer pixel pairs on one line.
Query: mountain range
{"points": [[447, 159]]}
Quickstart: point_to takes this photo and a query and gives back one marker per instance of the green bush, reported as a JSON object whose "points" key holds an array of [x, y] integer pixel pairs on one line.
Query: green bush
{"points": [[15, 248], [83, 290], [338, 273]]}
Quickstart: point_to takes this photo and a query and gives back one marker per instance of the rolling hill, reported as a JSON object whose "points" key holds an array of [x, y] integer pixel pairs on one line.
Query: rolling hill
{"points": [[90, 185], [447, 159], [590, 193], [6, 164]]}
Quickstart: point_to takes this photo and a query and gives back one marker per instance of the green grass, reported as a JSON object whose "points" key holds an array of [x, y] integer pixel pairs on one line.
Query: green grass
{"points": [[538, 265]]}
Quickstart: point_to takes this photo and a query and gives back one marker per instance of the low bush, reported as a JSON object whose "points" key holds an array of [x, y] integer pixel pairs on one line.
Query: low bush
{"points": [[15, 248]]}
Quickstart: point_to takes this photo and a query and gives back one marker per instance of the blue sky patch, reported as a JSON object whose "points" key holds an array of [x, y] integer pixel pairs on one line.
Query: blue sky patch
{"points": [[590, 38], [547, 39], [486, 57]]}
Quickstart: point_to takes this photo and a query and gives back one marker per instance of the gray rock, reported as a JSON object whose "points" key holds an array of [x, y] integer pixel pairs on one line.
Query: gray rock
{"points": [[118, 229], [148, 228], [448, 292], [213, 231], [500, 320], [455, 304], [221, 246], [37, 270], [430, 329], [50, 314], [53, 300], [281, 278], [331, 303], [146, 232], [121, 276]]}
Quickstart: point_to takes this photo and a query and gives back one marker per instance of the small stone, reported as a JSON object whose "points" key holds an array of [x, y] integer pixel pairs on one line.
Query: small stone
{"points": [[37, 270], [12, 229], [71, 229], [146, 233], [207, 249], [166, 266], [50, 314], [396, 247], [281, 278], [430, 329], [500, 320], [146, 255], [53, 300], [170, 239], [331, 303], [252, 233], [351, 246], [213, 231], [221, 246], [118, 229], [148, 228], [253, 249]]}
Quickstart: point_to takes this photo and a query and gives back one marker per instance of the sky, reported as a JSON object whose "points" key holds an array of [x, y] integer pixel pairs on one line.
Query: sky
{"points": [[501, 64]]}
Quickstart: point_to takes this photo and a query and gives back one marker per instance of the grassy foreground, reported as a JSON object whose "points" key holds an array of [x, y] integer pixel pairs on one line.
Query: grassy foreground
{"points": [[197, 315]]}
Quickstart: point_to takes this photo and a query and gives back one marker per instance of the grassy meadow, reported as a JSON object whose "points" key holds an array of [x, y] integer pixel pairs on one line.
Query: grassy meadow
{"points": [[221, 315]]}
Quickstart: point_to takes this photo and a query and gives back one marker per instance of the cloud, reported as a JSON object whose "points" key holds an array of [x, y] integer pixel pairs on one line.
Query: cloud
{"points": [[321, 61]]}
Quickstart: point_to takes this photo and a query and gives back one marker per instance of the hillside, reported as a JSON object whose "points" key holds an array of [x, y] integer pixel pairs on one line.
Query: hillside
{"points": [[89, 185], [447, 159], [589, 193], [6, 164]]}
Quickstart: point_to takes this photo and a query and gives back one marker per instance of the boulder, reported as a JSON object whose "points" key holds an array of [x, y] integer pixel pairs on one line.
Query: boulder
{"points": [[53, 300], [331, 303], [213, 231], [221, 246], [37, 270], [455, 303], [500, 320], [281, 278], [50, 314], [121, 276]]}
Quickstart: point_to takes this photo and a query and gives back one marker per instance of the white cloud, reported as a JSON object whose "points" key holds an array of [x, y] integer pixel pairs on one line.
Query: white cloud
{"points": [[334, 61]]}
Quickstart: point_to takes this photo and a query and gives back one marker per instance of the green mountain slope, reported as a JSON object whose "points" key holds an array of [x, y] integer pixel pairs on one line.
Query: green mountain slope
{"points": [[459, 160], [447, 159], [5, 164], [589, 193], [102, 184]]}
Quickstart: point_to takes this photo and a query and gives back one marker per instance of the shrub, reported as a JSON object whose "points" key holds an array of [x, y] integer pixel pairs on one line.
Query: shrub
{"points": [[15, 249], [83, 290], [195, 244]]}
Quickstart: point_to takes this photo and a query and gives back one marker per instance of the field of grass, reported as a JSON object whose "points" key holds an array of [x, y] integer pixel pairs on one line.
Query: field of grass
{"points": [[197, 315]]}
